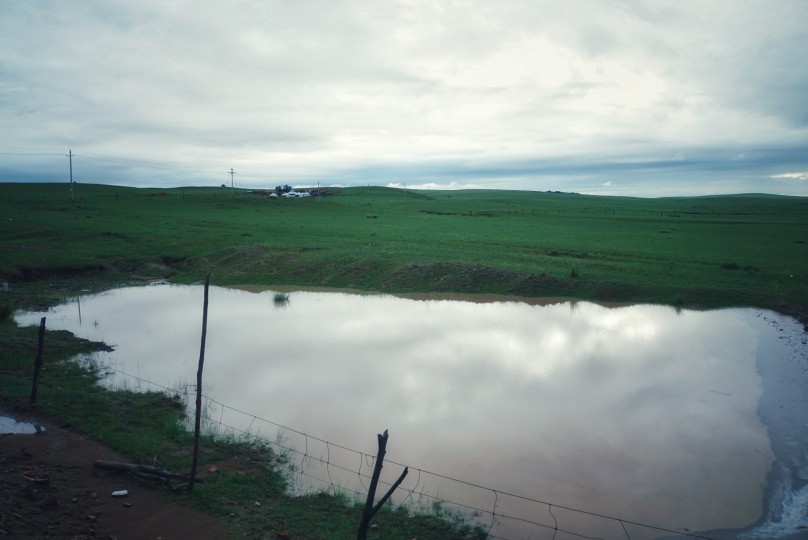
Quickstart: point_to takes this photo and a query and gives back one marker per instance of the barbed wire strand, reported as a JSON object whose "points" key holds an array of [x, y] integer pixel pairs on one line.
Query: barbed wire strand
{"points": [[365, 457], [455, 504], [368, 459], [471, 509]]}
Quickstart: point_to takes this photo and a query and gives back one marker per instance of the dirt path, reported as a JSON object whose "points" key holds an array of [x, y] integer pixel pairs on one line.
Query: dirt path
{"points": [[49, 488]]}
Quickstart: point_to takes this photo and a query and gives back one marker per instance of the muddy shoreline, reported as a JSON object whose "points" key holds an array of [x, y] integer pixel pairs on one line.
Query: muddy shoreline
{"points": [[783, 367]]}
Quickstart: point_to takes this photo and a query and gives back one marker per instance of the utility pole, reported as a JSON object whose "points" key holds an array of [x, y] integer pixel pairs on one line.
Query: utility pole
{"points": [[70, 155], [232, 172]]}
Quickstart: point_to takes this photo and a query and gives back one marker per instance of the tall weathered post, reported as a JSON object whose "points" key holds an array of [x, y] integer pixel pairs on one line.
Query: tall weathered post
{"points": [[197, 419], [38, 360]]}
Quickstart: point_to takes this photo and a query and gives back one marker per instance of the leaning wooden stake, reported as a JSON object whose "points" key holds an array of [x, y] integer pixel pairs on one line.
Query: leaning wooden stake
{"points": [[370, 509], [199, 385], [38, 360]]}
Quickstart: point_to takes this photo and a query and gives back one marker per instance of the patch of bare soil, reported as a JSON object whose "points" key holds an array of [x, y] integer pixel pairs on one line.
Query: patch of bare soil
{"points": [[49, 488]]}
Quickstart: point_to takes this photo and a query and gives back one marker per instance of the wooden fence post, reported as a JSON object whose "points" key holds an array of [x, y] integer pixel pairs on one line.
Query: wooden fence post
{"points": [[38, 360], [199, 385], [370, 509]]}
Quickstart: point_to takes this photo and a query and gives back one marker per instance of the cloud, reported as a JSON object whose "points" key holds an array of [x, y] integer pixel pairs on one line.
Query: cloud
{"points": [[525, 93], [792, 176], [435, 185]]}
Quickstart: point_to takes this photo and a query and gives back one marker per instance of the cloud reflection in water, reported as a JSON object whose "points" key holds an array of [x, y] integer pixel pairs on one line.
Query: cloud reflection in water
{"points": [[640, 412]]}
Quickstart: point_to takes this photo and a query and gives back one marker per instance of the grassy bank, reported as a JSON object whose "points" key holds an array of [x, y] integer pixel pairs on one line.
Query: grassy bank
{"points": [[695, 252]]}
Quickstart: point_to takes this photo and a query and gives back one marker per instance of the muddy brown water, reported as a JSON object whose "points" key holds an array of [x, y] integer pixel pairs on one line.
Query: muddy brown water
{"points": [[685, 420]]}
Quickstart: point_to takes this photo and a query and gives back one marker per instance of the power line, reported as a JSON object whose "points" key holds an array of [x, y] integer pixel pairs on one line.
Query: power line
{"points": [[93, 156], [142, 163], [27, 154]]}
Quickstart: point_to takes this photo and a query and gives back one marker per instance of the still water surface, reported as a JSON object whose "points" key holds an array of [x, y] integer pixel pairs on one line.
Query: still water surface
{"points": [[645, 413]]}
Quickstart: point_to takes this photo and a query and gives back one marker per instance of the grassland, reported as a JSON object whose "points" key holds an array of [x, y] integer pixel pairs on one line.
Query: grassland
{"points": [[704, 252]]}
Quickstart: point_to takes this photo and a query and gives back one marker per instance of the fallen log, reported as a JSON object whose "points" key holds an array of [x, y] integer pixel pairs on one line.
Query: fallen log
{"points": [[144, 471]]}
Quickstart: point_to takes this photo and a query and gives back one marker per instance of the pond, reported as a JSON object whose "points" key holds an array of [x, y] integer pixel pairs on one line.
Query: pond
{"points": [[550, 416]]}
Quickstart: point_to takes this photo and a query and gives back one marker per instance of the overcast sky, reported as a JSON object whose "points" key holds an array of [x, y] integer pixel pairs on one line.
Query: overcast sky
{"points": [[679, 97]]}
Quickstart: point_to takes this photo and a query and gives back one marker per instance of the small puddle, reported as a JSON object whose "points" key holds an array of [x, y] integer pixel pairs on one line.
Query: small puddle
{"points": [[10, 425]]}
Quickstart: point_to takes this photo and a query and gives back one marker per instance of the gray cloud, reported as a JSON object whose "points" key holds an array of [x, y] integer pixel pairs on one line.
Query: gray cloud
{"points": [[536, 95]]}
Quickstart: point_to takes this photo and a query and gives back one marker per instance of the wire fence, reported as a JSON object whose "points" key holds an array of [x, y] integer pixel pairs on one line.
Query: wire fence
{"points": [[313, 465]]}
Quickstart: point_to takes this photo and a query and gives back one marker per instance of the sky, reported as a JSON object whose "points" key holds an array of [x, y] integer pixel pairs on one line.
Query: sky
{"points": [[639, 98]]}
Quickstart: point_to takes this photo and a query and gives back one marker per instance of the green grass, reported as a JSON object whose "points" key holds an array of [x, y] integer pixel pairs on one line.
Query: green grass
{"points": [[704, 251]]}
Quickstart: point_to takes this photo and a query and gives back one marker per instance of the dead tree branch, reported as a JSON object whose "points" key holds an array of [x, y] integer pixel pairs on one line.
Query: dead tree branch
{"points": [[370, 509]]}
